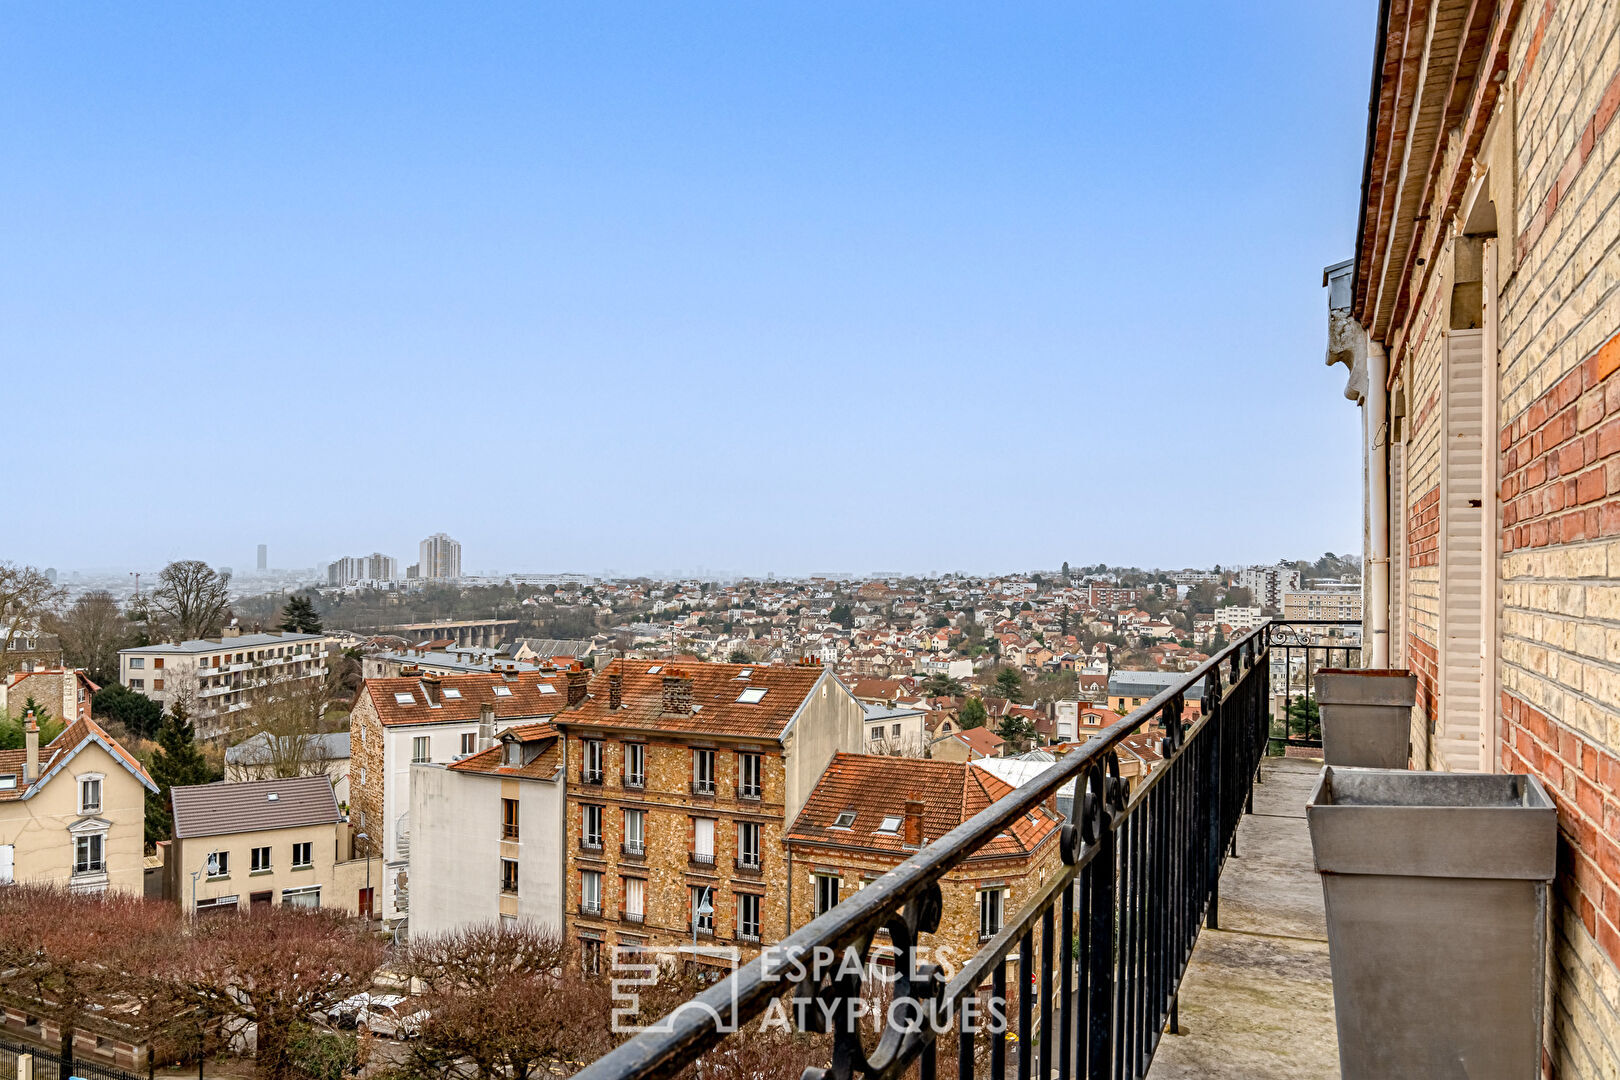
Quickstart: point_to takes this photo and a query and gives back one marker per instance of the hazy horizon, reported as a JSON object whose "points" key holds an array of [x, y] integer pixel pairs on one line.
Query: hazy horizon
{"points": [[922, 287]]}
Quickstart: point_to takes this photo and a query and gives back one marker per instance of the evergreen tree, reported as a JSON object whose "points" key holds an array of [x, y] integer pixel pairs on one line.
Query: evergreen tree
{"points": [[300, 616], [1011, 684], [177, 762], [973, 713], [138, 714]]}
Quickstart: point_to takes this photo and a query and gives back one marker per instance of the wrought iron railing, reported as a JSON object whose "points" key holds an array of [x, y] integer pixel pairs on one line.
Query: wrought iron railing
{"points": [[1299, 649], [1116, 925]]}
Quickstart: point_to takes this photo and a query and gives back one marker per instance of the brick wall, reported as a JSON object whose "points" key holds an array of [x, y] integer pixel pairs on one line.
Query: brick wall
{"points": [[1423, 530], [366, 774], [1424, 662]]}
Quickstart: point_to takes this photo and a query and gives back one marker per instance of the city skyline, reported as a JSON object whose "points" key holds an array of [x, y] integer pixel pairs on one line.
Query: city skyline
{"points": [[756, 272]]}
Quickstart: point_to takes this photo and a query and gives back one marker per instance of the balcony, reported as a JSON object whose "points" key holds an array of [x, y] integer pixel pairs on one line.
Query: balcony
{"points": [[701, 860], [632, 916], [591, 845], [1190, 895], [633, 849], [750, 792], [592, 777], [748, 865], [635, 780], [703, 788]]}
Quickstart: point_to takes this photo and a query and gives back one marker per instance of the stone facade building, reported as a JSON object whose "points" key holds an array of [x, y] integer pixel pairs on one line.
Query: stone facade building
{"points": [[869, 814], [681, 782], [1480, 320], [423, 719]]}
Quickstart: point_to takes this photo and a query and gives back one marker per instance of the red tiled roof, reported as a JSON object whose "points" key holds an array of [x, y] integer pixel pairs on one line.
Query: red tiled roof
{"points": [[50, 755], [475, 689], [877, 787], [715, 690], [982, 740], [490, 761]]}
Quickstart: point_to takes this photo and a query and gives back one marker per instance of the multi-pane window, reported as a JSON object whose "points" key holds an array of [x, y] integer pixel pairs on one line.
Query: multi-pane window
{"points": [[748, 844], [703, 908], [590, 766], [826, 893], [137, 662], [419, 749], [303, 854], [748, 776], [137, 684], [635, 832], [590, 833], [748, 916], [989, 913], [635, 899], [509, 876], [89, 854], [703, 841], [509, 819], [259, 859], [635, 765], [590, 892], [90, 795], [703, 772], [469, 741]]}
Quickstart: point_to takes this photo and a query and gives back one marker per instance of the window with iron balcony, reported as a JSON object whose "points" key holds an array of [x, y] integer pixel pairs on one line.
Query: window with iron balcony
{"points": [[748, 774], [703, 772], [590, 832], [635, 765], [590, 765], [635, 829]]}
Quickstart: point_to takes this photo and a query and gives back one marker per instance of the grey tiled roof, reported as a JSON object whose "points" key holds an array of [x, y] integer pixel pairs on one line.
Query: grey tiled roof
{"points": [[252, 806]]}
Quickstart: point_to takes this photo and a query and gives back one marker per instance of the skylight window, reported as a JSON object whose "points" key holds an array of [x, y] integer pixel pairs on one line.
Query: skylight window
{"points": [[403, 698], [655, 669], [8, 782], [451, 692], [751, 696], [844, 820], [547, 688], [889, 825], [746, 673], [503, 691]]}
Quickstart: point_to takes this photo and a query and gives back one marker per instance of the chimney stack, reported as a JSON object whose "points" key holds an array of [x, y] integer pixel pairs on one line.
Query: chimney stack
{"points": [[615, 690], [31, 740], [578, 681], [486, 725], [678, 692], [430, 689], [914, 822]]}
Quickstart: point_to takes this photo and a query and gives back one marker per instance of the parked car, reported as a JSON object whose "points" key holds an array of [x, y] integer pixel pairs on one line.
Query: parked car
{"points": [[346, 1013], [391, 1015]]}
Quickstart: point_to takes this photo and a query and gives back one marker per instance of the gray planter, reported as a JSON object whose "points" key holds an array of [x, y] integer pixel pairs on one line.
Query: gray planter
{"points": [[1366, 716], [1436, 893]]}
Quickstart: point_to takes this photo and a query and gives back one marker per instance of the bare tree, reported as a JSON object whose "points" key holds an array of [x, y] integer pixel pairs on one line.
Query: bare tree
{"points": [[284, 729], [482, 955], [26, 597], [279, 969], [64, 953], [190, 599], [92, 631]]}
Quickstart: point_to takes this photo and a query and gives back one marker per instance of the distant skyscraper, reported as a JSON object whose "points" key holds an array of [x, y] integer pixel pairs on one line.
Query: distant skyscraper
{"points": [[264, 556], [380, 567], [440, 558]]}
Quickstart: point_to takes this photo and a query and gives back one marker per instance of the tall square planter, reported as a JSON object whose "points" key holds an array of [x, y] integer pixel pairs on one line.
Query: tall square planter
{"points": [[1366, 716], [1436, 892]]}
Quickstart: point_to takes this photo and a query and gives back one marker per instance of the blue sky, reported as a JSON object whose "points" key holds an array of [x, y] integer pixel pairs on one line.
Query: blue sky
{"points": [[751, 287]]}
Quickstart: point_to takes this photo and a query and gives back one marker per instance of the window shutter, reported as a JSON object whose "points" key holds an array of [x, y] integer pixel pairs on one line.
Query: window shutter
{"points": [[1397, 555], [1460, 730], [705, 836]]}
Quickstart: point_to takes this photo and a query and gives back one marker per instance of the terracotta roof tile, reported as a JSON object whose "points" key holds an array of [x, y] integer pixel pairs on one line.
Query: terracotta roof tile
{"points": [[522, 697], [489, 761], [877, 787], [716, 689]]}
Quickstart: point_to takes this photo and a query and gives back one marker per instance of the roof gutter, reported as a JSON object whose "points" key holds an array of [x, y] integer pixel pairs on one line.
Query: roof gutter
{"points": [[1372, 132]]}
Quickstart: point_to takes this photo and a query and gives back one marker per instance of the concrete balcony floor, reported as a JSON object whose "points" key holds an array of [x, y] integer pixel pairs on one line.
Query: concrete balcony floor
{"points": [[1257, 1000]]}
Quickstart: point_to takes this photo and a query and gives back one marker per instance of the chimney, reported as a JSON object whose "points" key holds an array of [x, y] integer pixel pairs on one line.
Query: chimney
{"points": [[430, 689], [31, 740], [486, 725], [615, 690], [914, 829], [578, 681], [231, 631], [678, 692]]}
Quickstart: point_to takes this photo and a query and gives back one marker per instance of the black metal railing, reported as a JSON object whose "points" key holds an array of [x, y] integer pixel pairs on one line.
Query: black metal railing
{"points": [[47, 1064], [1114, 928], [1299, 649]]}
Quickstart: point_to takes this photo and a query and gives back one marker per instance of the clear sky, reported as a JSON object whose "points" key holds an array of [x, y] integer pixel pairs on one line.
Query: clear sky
{"points": [[756, 286]]}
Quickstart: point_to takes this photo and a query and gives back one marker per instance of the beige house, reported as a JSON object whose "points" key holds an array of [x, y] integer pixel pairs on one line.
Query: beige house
{"points": [[73, 812], [242, 846]]}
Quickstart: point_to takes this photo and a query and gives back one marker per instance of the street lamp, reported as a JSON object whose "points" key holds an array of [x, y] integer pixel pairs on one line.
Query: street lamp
{"points": [[367, 856], [211, 868], [704, 907]]}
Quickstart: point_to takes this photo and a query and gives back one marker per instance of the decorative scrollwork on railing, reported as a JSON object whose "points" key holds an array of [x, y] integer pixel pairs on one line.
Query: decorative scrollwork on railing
{"points": [[1175, 728], [828, 1001], [1212, 690]]}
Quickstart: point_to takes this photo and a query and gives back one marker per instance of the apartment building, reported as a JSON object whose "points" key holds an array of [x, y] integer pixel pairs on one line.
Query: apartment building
{"points": [[397, 723], [360, 569], [1267, 584], [1241, 619], [73, 812], [868, 814], [487, 844], [897, 731], [1323, 604], [28, 649], [1480, 324], [439, 558], [221, 675], [681, 783], [243, 847]]}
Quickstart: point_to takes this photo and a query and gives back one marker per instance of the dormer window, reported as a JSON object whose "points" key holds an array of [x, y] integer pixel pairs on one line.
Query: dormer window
{"points": [[514, 753]]}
